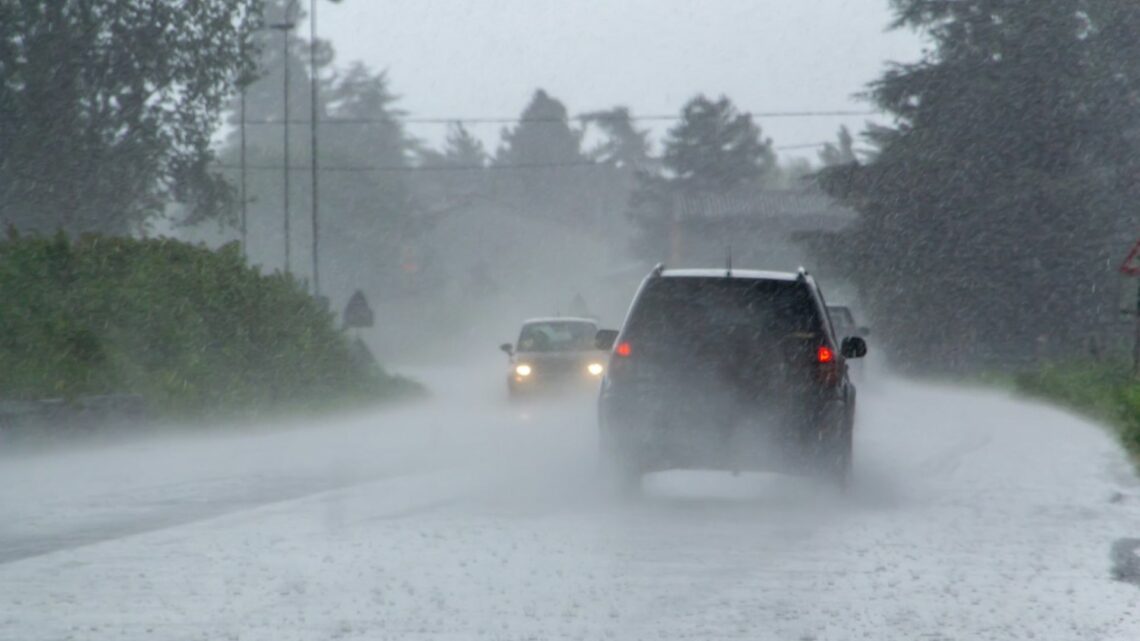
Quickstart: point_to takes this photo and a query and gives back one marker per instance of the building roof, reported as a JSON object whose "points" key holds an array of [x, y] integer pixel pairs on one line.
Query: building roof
{"points": [[799, 209], [560, 319]]}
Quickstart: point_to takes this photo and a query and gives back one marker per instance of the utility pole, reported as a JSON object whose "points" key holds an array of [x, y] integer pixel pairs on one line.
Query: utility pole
{"points": [[313, 162], [285, 28], [244, 198]]}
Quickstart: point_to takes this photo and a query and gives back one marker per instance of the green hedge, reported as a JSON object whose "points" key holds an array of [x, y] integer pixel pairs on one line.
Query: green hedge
{"points": [[196, 332], [1105, 391]]}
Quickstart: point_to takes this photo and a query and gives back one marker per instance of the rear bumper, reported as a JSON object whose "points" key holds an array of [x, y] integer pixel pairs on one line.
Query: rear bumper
{"points": [[698, 431]]}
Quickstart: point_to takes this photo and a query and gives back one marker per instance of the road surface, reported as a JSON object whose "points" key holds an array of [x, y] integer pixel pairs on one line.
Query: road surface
{"points": [[974, 516]]}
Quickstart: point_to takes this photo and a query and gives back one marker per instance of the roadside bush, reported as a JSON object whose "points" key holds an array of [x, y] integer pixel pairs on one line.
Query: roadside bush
{"points": [[1104, 391], [193, 331]]}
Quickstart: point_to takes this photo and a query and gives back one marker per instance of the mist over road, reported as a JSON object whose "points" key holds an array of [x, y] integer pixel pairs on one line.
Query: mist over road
{"points": [[973, 515]]}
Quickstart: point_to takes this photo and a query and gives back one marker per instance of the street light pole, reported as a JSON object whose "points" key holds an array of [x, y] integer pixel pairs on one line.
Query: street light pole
{"points": [[244, 198], [285, 28], [313, 163]]}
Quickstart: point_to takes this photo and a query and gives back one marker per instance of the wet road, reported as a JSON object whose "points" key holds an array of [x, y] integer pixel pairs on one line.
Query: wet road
{"points": [[973, 516]]}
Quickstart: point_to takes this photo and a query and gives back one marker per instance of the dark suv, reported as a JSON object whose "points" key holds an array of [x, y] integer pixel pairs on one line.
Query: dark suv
{"points": [[727, 369]]}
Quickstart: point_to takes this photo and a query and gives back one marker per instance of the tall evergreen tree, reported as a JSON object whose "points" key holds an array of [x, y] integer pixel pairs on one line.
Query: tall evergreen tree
{"points": [[989, 212], [543, 135], [541, 169], [624, 145], [454, 174], [714, 149], [368, 213], [462, 149], [840, 152]]}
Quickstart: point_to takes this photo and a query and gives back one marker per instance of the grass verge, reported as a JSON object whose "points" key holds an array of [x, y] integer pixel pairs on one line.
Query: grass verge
{"points": [[1105, 391]]}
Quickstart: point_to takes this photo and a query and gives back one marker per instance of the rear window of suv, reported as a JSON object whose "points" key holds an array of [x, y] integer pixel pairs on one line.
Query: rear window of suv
{"points": [[683, 311]]}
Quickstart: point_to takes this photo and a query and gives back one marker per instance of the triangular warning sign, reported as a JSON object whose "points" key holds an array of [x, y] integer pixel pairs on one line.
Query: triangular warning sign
{"points": [[357, 313], [1131, 264]]}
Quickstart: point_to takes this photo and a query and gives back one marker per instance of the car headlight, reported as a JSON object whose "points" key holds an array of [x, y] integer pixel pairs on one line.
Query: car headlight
{"points": [[522, 369], [595, 369]]}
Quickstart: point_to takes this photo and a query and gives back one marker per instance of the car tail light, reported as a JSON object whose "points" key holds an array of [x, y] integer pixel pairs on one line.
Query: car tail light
{"points": [[828, 373], [824, 354], [624, 349]]}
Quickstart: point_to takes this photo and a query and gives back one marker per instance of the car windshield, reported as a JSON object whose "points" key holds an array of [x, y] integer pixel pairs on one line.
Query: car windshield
{"points": [[557, 336]]}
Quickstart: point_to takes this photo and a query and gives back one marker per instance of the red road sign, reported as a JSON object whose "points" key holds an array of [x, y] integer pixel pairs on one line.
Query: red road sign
{"points": [[1131, 264]]}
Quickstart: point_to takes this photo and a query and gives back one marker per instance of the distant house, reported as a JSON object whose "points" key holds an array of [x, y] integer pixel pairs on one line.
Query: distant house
{"points": [[761, 227]]}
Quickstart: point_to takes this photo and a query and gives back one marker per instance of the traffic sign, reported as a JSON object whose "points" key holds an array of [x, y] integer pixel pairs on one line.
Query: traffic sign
{"points": [[357, 313], [1131, 264]]}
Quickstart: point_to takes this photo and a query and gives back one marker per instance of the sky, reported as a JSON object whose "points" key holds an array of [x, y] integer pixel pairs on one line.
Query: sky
{"points": [[485, 58]]}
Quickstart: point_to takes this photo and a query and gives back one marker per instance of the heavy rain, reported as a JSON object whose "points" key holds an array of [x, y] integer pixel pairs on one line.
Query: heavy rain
{"points": [[525, 319]]}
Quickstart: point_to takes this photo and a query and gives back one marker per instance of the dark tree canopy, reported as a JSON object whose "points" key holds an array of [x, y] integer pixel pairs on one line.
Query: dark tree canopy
{"points": [[713, 150], [543, 135], [992, 211], [625, 145], [368, 213], [107, 108], [461, 150], [542, 170], [840, 152], [715, 147]]}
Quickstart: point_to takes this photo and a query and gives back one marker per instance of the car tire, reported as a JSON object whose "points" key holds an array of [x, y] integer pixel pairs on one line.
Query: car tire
{"points": [[835, 446], [838, 466]]}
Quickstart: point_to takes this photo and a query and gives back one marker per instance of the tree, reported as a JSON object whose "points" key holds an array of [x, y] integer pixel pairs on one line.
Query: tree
{"points": [[543, 135], [625, 145], [541, 169], [462, 149], [455, 174], [988, 212], [368, 213], [841, 152], [371, 214], [714, 147], [109, 108]]}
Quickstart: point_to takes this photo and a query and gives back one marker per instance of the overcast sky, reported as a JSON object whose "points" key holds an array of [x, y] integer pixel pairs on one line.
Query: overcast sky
{"points": [[484, 58]]}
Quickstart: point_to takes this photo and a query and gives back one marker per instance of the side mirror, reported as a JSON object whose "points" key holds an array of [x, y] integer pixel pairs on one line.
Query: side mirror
{"points": [[854, 347], [508, 349], [605, 339]]}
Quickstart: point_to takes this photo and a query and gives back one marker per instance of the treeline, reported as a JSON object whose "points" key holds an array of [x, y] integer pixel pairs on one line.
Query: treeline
{"points": [[385, 193], [994, 212], [111, 119]]}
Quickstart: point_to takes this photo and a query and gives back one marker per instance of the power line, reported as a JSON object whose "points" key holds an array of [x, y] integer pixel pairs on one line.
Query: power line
{"points": [[475, 120], [411, 168], [448, 168]]}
